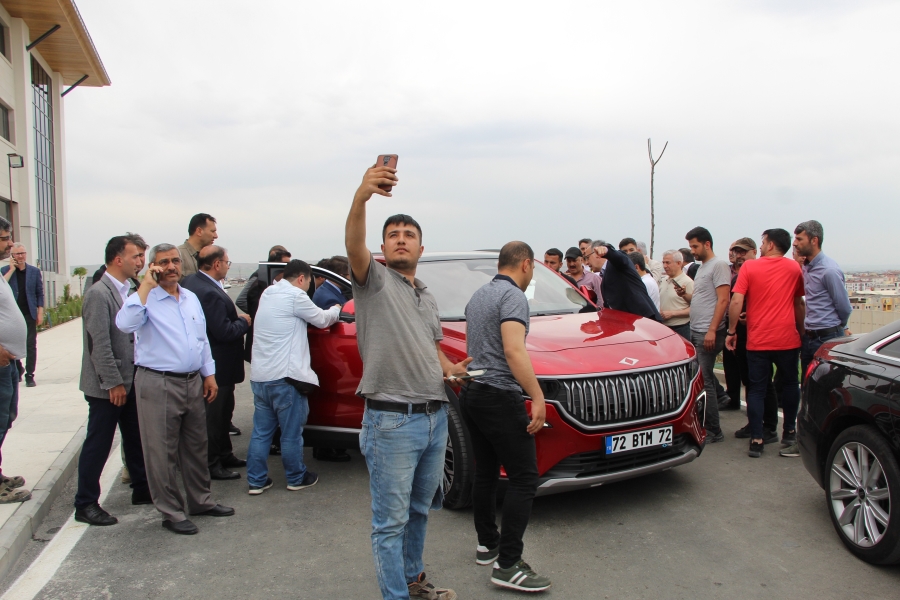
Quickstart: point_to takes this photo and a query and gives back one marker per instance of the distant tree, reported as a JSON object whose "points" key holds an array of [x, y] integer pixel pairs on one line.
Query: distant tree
{"points": [[80, 273], [652, 173]]}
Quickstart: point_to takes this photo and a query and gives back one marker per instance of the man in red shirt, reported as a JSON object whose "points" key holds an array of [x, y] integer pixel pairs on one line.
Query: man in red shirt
{"points": [[773, 288]]}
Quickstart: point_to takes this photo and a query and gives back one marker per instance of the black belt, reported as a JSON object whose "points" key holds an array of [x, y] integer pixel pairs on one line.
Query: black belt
{"points": [[170, 373], [476, 386], [432, 406], [820, 333]]}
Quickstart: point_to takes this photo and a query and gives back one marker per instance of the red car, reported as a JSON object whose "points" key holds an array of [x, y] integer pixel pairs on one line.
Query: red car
{"points": [[624, 393]]}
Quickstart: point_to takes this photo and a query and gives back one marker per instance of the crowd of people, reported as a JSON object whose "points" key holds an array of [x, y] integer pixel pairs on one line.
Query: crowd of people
{"points": [[163, 354]]}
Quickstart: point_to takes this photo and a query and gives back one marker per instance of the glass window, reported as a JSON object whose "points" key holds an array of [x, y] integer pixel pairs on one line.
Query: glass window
{"points": [[3, 35], [4, 122], [891, 349], [42, 97]]}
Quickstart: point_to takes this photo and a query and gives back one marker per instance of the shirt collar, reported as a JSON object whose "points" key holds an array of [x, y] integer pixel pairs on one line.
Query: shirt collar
{"points": [[216, 281], [120, 286], [819, 258], [419, 286], [499, 277], [162, 294]]}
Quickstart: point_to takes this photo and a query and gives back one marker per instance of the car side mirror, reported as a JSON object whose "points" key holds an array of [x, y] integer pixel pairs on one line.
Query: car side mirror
{"points": [[348, 312]]}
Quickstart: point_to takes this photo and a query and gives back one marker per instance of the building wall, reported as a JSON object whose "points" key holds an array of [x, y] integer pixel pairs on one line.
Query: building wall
{"points": [[16, 94]]}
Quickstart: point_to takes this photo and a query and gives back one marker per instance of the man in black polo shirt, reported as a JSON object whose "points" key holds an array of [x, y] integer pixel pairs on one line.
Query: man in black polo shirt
{"points": [[497, 320]]}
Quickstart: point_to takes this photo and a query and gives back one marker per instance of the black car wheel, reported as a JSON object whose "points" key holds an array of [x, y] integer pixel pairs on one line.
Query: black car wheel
{"points": [[862, 489], [459, 463]]}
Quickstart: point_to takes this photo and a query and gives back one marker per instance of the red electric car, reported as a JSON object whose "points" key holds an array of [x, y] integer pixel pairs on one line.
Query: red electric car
{"points": [[624, 393]]}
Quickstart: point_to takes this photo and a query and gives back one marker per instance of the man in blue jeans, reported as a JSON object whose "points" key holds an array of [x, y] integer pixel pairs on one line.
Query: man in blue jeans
{"points": [[404, 429], [281, 377]]}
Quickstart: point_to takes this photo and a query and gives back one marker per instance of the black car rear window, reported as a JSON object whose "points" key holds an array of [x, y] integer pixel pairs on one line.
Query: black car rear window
{"points": [[891, 349]]}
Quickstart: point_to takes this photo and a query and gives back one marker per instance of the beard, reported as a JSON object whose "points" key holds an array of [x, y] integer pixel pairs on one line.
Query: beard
{"points": [[5, 254], [404, 262]]}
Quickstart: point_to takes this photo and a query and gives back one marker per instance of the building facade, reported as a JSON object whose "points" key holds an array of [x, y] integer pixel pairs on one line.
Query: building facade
{"points": [[45, 53]]}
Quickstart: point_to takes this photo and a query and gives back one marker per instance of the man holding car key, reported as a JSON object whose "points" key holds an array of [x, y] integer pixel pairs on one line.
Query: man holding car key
{"points": [[404, 429]]}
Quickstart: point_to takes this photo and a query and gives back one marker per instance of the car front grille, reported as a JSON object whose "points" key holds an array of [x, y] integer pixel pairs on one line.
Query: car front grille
{"points": [[598, 462], [612, 399]]}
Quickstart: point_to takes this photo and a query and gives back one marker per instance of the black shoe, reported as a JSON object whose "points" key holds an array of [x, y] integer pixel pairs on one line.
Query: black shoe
{"points": [[233, 462], [756, 449], [220, 473], [94, 515], [138, 498], [729, 405], [770, 436], [233, 430], [331, 454], [789, 438], [274, 450], [216, 511], [29, 381], [183, 527], [714, 437]]}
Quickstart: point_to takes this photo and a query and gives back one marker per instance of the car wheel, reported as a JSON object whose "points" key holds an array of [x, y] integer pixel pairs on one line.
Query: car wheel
{"points": [[459, 464], [862, 489]]}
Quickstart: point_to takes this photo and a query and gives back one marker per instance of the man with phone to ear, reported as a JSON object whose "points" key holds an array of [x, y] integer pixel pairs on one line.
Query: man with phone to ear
{"points": [[404, 429], [502, 433]]}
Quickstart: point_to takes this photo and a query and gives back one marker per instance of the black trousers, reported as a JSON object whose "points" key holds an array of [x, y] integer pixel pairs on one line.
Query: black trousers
{"points": [[737, 374], [497, 423], [31, 345], [103, 417], [218, 423]]}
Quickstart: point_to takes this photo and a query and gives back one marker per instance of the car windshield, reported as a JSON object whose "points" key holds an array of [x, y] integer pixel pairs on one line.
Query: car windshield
{"points": [[454, 281]]}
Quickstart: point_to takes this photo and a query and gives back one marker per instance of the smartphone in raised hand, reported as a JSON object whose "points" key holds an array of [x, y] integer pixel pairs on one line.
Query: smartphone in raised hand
{"points": [[386, 160]]}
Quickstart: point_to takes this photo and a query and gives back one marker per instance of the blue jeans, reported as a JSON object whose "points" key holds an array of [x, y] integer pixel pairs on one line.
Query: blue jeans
{"points": [[759, 373], [810, 347], [9, 399], [405, 455], [276, 403]]}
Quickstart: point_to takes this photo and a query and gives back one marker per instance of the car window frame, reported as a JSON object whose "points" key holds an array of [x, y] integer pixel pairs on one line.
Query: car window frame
{"points": [[873, 350]]}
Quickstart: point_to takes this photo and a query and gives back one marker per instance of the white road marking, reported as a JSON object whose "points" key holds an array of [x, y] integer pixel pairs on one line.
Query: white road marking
{"points": [[45, 566]]}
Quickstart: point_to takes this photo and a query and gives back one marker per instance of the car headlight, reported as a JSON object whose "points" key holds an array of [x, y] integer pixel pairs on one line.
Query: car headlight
{"points": [[701, 407], [695, 367]]}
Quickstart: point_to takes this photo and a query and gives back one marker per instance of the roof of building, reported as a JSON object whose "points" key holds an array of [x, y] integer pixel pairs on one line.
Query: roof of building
{"points": [[70, 50]]}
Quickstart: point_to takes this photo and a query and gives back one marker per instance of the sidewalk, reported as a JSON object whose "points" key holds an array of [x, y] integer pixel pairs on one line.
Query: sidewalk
{"points": [[45, 440]]}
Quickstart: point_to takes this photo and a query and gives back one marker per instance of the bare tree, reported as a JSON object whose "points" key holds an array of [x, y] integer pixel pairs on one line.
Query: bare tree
{"points": [[652, 173]]}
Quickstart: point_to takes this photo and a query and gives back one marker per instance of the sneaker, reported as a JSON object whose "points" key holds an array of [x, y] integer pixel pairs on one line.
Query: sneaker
{"points": [[791, 451], [712, 438], [519, 577], [309, 479], [233, 430], [770, 436], [485, 556], [756, 449], [255, 491], [29, 381], [421, 588], [789, 438]]}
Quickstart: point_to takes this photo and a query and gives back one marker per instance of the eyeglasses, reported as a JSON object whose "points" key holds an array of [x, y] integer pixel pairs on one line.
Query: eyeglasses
{"points": [[19, 253], [738, 251], [167, 261], [228, 262], [5, 238]]}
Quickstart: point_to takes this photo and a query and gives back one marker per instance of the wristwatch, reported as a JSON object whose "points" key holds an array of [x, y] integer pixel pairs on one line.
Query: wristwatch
{"points": [[730, 333]]}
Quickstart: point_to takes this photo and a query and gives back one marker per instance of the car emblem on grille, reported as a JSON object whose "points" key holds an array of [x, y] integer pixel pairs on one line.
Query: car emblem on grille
{"points": [[629, 361]]}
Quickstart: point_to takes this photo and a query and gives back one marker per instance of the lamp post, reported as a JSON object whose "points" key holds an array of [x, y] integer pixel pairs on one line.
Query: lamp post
{"points": [[15, 162]]}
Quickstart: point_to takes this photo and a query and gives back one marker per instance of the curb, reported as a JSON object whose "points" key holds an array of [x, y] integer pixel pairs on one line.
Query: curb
{"points": [[21, 526]]}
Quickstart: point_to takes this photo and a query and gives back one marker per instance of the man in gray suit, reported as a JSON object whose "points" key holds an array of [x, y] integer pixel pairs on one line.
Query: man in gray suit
{"points": [[107, 377]]}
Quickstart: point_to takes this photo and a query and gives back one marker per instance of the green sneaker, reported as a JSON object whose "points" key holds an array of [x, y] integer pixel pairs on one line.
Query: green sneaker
{"points": [[791, 451], [485, 556], [519, 577]]}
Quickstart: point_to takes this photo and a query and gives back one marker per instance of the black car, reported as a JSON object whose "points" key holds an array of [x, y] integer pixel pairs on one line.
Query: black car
{"points": [[849, 434]]}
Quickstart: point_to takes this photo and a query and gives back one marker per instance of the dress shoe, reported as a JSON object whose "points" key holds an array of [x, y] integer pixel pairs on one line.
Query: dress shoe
{"points": [[183, 527], [221, 473], [216, 511], [138, 498], [94, 515], [331, 454], [29, 381], [233, 430], [729, 405], [274, 450], [233, 462]]}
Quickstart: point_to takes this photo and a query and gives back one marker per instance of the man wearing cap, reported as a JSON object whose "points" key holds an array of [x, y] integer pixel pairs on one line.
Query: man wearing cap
{"points": [[575, 269], [735, 363]]}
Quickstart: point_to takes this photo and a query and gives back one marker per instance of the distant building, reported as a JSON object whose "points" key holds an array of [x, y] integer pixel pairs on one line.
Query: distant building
{"points": [[45, 51]]}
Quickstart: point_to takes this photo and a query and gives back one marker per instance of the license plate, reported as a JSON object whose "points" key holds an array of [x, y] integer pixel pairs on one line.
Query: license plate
{"points": [[648, 438]]}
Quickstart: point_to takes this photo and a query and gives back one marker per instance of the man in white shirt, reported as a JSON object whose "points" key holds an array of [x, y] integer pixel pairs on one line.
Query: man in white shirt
{"points": [[641, 267], [674, 309], [281, 377]]}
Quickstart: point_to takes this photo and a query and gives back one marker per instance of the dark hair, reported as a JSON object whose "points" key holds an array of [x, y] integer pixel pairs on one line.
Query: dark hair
{"points": [[341, 264], [686, 254], [556, 252], [295, 269], [701, 234], [779, 237], [512, 253], [401, 219], [207, 259], [199, 220], [277, 253], [638, 259], [116, 246], [626, 241], [5, 225], [812, 229], [583, 241]]}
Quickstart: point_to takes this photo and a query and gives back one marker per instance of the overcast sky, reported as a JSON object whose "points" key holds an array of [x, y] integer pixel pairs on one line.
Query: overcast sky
{"points": [[512, 120]]}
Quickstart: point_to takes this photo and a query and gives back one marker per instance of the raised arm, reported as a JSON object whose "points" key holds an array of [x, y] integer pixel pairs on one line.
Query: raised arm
{"points": [[355, 233]]}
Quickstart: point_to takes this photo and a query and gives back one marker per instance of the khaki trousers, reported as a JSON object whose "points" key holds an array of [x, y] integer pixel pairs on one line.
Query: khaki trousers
{"points": [[172, 419]]}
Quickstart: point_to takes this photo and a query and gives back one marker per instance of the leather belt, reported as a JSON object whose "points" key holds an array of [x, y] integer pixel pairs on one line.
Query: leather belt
{"points": [[432, 406], [170, 373], [820, 333], [476, 386]]}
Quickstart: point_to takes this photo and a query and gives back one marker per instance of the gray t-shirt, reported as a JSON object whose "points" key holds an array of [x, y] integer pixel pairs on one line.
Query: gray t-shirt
{"points": [[12, 324], [713, 273], [491, 305], [397, 325]]}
